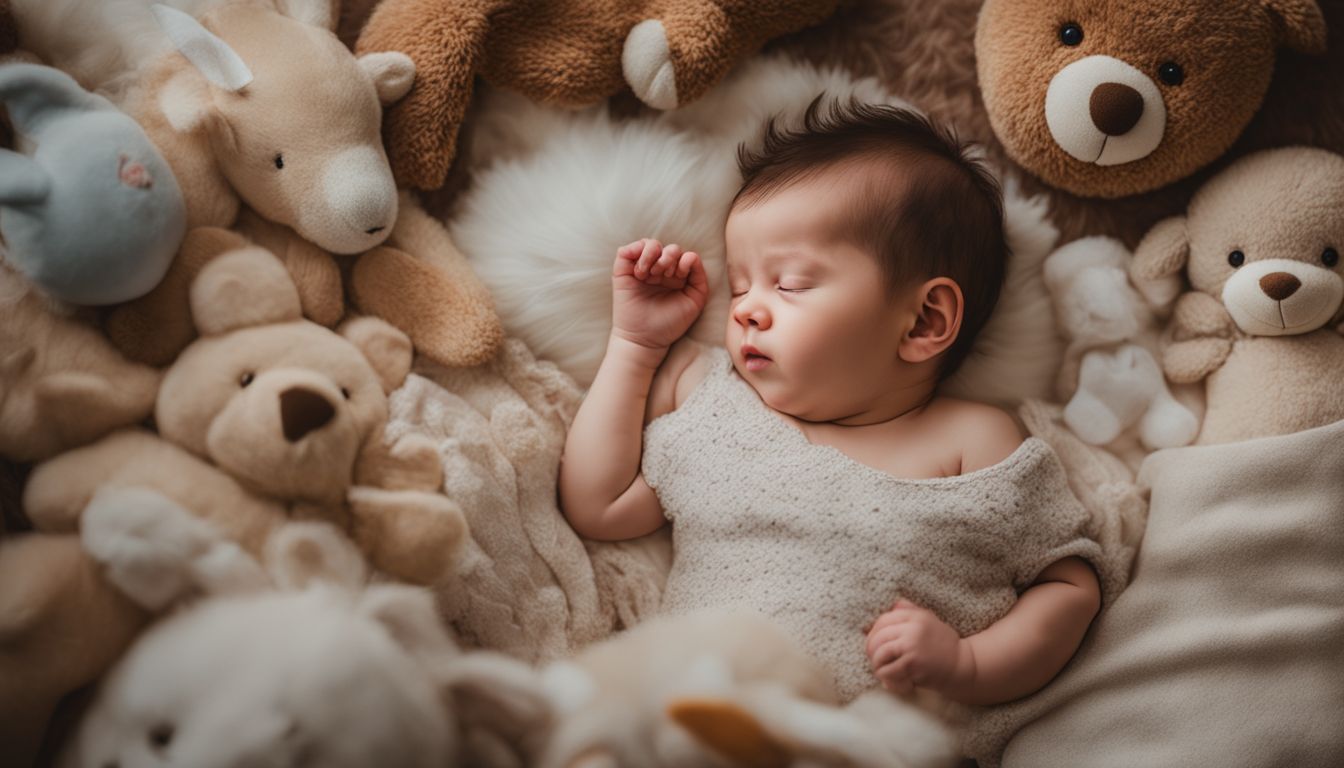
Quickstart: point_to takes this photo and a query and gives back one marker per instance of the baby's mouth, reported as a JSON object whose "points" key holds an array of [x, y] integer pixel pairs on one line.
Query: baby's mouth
{"points": [[752, 358]]}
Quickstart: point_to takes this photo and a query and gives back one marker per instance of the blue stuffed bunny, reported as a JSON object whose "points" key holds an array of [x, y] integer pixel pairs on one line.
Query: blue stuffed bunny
{"points": [[91, 212]]}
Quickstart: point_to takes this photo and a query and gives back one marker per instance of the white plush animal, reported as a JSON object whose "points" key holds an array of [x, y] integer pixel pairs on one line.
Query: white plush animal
{"points": [[710, 690], [1111, 377], [323, 672], [556, 193]]}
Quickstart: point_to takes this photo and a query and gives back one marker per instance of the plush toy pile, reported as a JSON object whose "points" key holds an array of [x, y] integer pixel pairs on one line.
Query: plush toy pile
{"points": [[280, 439]]}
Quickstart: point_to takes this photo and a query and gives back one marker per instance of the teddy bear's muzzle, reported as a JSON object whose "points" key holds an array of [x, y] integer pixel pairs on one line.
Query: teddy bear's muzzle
{"points": [[303, 411], [1103, 111], [1282, 297]]}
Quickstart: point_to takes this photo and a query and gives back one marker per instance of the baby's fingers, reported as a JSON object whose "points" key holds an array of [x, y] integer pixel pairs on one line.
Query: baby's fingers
{"points": [[666, 264], [648, 255]]}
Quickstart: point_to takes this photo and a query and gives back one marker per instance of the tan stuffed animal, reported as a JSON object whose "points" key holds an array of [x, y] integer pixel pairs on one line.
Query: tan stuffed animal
{"points": [[1115, 98], [565, 52], [61, 383], [269, 417], [1260, 245], [272, 125]]}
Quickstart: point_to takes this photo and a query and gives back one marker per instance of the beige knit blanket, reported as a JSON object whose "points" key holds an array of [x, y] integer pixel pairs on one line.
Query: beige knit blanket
{"points": [[1227, 648], [527, 585]]}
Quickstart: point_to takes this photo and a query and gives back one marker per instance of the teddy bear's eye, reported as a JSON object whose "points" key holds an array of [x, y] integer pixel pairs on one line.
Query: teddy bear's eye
{"points": [[1236, 258], [246, 379], [279, 161], [345, 393], [161, 735], [1071, 34], [1330, 257], [1171, 73]]}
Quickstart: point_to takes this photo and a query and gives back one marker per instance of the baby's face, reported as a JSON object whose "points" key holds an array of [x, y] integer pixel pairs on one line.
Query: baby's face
{"points": [[812, 328]]}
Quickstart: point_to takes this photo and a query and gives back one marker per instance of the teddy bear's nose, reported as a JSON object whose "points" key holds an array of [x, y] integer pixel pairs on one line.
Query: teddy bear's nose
{"points": [[302, 411], [1279, 285], [1115, 108]]}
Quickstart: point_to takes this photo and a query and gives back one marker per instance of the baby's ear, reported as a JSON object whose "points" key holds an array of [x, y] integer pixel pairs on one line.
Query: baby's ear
{"points": [[942, 308], [387, 349], [243, 288], [1159, 260], [1300, 24]]}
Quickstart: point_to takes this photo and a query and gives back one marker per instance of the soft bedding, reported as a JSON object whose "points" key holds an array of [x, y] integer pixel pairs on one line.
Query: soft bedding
{"points": [[1227, 648]]}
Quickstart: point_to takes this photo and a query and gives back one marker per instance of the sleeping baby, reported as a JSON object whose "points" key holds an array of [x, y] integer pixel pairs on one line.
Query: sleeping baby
{"points": [[810, 470]]}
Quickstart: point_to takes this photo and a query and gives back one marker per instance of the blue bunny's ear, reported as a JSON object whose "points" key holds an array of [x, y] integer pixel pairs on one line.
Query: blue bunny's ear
{"points": [[22, 181], [33, 92]]}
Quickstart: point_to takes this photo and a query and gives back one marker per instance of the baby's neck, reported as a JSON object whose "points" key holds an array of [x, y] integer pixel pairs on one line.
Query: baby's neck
{"points": [[888, 408]]}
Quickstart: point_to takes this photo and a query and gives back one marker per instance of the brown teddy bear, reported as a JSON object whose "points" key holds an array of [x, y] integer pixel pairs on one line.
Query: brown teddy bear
{"points": [[271, 125], [570, 54], [925, 51], [1260, 245], [1122, 97], [269, 417]]}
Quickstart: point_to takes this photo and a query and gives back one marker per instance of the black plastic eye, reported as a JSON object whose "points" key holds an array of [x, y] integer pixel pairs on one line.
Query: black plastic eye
{"points": [[161, 735], [1236, 258], [246, 379], [1171, 73], [1071, 34], [279, 161], [1330, 257], [345, 393]]}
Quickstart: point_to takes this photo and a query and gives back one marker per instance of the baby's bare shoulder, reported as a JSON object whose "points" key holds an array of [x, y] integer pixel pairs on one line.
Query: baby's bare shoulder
{"points": [[986, 435], [685, 367]]}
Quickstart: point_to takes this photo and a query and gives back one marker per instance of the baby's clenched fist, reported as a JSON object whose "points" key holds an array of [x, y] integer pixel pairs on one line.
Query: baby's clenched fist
{"points": [[910, 647], [657, 292]]}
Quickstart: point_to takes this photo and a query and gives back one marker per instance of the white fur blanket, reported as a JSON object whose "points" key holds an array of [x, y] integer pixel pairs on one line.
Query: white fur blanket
{"points": [[1228, 646], [527, 585]]}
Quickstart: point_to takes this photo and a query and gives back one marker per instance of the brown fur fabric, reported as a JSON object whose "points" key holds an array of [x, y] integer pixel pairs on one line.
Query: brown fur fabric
{"points": [[565, 52]]}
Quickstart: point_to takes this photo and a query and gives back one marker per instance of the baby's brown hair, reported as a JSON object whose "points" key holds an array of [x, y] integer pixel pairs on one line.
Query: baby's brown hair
{"points": [[925, 208]]}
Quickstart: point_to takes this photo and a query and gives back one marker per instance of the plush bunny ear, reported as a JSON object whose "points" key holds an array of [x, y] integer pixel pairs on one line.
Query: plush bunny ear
{"points": [[730, 731], [243, 288], [1158, 261], [387, 349], [32, 93], [22, 181], [391, 72], [211, 56], [1300, 24], [316, 13]]}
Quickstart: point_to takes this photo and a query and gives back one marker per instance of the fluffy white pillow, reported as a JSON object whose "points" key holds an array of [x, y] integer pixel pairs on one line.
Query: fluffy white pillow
{"points": [[556, 193]]}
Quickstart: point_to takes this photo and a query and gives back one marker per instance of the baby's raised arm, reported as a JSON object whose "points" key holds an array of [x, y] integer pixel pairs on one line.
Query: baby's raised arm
{"points": [[657, 293]]}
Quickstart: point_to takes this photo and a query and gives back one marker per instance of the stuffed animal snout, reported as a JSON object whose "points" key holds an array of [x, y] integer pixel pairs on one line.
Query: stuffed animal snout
{"points": [[1284, 297], [1105, 111]]}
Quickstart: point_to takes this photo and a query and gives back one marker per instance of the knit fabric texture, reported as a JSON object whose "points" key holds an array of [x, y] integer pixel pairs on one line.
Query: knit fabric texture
{"points": [[824, 544]]}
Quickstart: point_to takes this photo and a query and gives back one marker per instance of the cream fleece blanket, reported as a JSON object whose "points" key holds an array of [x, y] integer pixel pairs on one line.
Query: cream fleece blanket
{"points": [[527, 585], [1228, 646]]}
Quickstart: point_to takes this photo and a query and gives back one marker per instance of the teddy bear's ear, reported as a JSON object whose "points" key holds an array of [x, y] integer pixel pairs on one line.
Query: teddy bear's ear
{"points": [[1158, 261], [387, 349], [317, 13], [409, 616], [391, 72], [243, 288], [1300, 24], [300, 553]]}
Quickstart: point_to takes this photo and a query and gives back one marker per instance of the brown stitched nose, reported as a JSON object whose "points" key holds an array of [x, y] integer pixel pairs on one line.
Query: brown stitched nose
{"points": [[1279, 285], [302, 411], [1115, 108]]}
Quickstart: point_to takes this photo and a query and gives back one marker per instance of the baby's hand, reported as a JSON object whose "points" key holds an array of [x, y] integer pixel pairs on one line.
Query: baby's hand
{"points": [[657, 292], [908, 646]]}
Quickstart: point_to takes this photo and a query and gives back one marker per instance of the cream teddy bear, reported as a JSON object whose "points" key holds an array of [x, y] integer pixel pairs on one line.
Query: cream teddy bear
{"points": [[269, 417], [1110, 377], [1261, 329]]}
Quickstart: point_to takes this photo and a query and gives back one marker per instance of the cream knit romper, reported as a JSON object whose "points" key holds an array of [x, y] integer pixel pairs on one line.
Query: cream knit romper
{"points": [[824, 544]]}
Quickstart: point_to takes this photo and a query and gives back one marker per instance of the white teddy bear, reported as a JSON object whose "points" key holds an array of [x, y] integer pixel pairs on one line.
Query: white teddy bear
{"points": [[323, 671], [1110, 377]]}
